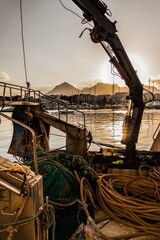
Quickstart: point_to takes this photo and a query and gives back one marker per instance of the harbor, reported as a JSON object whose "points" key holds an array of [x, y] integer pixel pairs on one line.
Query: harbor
{"points": [[102, 130], [80, 166], [73, 165]]}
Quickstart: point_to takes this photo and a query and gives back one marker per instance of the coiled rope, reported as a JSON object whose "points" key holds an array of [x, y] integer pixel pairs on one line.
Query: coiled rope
{"points": [[133, 201]]}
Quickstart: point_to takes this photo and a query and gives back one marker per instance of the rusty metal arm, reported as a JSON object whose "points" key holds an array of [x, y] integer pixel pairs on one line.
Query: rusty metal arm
{"points": [[103, 31]]}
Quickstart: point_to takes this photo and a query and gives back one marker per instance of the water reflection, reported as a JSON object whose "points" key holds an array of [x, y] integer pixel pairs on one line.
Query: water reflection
{"points": [[105, 125]]}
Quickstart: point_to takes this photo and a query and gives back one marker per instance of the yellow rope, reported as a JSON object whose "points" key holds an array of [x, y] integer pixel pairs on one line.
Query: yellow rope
{"points": [[17, 168], [135, 199]]}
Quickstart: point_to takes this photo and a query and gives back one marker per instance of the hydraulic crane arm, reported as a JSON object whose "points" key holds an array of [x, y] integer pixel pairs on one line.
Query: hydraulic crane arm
{"points": [[105, 31]]}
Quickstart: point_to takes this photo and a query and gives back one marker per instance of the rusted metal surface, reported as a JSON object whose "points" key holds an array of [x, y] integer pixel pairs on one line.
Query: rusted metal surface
{"points": [[33, 137], [76, 141], [20, 213], [22, 140]]}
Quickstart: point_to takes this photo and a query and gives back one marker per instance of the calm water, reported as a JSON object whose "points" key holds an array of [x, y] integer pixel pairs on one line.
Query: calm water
{"points": [[105, 125]]}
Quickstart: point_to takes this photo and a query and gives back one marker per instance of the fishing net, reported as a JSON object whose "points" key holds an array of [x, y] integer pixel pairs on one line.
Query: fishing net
{"points": [[63, 190]]}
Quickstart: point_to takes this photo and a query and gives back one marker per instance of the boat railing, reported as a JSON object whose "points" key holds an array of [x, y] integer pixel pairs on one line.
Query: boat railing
{"points": [[12, 94], [33, 138], [65, 106]]}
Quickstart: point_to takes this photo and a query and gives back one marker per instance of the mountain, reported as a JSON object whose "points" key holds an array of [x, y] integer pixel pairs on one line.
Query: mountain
{"points": [[103, 88], [98, 89], [64, 89]]}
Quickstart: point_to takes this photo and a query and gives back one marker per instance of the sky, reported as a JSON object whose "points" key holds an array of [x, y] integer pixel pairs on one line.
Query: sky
{"points": [[55, 53]]}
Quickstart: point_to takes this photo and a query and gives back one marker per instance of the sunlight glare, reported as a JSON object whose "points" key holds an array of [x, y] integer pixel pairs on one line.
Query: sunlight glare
{"points": [[140, 67]]}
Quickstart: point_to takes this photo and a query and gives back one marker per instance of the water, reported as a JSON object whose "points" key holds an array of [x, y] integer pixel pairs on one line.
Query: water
{"points": [[105, 126]]}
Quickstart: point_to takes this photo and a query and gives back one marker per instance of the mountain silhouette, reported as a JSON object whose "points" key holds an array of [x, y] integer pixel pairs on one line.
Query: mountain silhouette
{"points": [[64, 89], [104, 88], [98, 89]]}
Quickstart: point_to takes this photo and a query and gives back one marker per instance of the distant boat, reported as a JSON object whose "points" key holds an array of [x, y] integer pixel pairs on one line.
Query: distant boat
{"points": [[153, 105], [7, 109], [66, 112]]}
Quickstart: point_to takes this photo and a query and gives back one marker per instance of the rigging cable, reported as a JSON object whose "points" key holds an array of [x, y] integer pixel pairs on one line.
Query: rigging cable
{"points": [[23, 46], [83, 22], [27, 93]]}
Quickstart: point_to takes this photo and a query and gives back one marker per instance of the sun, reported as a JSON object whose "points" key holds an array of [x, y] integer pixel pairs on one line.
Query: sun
{"points": [[141, 67], [106, 76], [138, 63]]}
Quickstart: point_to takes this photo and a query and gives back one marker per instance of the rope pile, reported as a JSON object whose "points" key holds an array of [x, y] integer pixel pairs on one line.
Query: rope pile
{"points": [[16, 168], [133, 201]]}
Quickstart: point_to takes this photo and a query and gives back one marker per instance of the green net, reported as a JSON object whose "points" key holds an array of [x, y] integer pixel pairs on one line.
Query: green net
{"points": [[62, 188]]}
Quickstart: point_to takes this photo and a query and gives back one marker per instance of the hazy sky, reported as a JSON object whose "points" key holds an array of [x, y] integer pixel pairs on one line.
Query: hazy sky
{"points": [[55, 53]]}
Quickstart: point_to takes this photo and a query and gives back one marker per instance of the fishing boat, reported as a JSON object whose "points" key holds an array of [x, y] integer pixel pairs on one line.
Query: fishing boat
{"points": [[67, 112], [47, 193], [25, 205], [46, 188]]}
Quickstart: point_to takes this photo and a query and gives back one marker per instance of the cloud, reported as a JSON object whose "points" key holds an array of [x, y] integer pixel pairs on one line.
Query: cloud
{"points": [[4, 76]]}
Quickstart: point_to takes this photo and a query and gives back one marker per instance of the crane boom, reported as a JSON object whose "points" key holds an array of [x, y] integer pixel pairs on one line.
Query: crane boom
{"points": [[104, 31]]}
